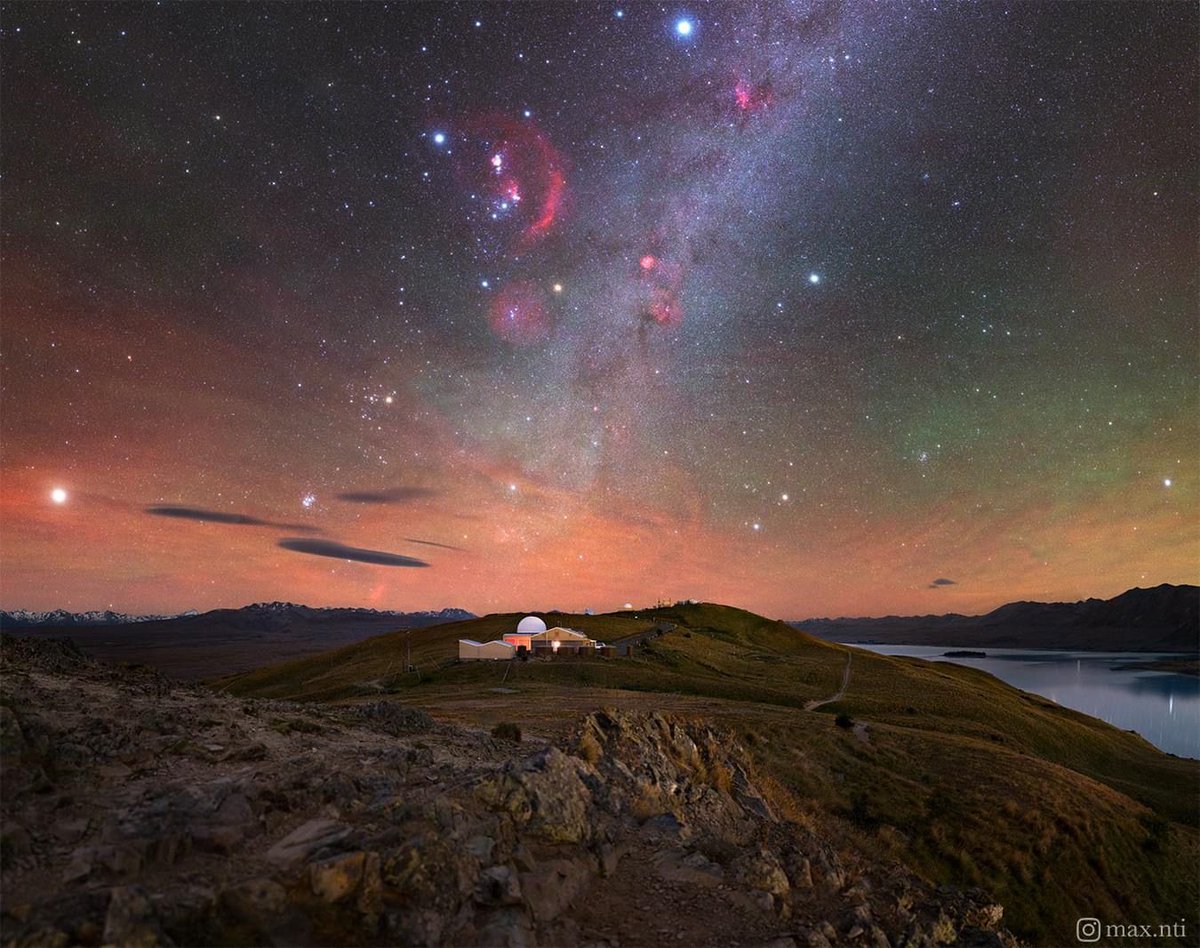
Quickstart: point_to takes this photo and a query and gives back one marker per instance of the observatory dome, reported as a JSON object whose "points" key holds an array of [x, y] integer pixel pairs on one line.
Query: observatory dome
{"points": [[531, 624]]}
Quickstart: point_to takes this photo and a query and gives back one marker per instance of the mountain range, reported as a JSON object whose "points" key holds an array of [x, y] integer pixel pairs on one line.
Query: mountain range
{"points": [[271, 611], [23, 618], [220, 641], [1163, 618]]}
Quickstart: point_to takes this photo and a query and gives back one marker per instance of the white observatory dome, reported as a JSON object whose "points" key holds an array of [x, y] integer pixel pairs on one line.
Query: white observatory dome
{"points": [[531, 624]]}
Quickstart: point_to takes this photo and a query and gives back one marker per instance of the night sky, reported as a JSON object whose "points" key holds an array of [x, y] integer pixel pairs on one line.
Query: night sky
{"points": [[814, 308]]}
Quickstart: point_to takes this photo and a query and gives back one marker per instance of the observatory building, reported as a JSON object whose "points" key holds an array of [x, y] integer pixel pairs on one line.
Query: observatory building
{"points": [[530, 638], [527, 628]]}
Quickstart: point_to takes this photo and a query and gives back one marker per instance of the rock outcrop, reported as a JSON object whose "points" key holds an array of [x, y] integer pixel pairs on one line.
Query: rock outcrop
{"points": [[140, 811]]}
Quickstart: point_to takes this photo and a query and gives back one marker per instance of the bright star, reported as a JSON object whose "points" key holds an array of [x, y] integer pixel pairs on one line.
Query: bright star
{"points": [[1167, 482], [308, 500], [439, 138], [557, 287], [814, 278], [58, 495], [684, 26]]}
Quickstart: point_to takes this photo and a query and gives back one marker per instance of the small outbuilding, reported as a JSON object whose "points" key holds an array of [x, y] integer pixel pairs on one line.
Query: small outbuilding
{"points": [[471, 651], [561, 639]]}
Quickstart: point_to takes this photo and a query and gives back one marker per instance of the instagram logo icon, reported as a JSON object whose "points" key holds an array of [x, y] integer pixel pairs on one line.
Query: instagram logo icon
{"points": [[1087, 929]]}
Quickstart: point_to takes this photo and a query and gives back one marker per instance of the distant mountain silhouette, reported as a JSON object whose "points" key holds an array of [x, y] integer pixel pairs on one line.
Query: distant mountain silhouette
{"points": [[221, 641], [1164, 618], [271, 612], [20, 618]]}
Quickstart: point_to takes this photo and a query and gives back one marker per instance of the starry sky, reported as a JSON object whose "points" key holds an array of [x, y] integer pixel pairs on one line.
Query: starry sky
{"points": [[815, 308]]}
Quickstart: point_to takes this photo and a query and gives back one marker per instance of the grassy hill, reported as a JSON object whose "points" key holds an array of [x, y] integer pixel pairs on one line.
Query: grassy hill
{"points": [[951, 771]]}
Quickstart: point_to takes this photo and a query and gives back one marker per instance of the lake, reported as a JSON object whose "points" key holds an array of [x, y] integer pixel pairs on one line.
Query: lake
{"points": [[1163, 707]]}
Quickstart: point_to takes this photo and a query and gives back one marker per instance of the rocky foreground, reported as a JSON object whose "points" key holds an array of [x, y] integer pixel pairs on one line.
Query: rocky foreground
{"points": [[141, 811]]}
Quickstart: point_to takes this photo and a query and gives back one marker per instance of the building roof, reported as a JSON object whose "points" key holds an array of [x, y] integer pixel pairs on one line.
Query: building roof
{"points": [[566, 633]]}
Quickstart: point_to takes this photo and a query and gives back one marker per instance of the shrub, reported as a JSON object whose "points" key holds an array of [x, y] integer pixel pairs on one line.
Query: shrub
{"points": [[589, 747], [844, 720], [507, 731]]}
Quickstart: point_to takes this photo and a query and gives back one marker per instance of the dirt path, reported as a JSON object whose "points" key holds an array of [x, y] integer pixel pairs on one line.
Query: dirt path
{"points": [[813, 705], [625, 646]]}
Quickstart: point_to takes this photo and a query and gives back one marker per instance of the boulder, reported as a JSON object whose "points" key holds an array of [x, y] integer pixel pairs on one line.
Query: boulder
{"points": [[335, 878], [506, 928], [392, 718], [130, 920], [370, 891], [550, 888], [498, 885], [254, 901], [546, 792], [296, 848]]}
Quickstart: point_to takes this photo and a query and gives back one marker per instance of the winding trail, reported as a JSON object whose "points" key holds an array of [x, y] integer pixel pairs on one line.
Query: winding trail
{"points": [[813, 705], [624, 646]]}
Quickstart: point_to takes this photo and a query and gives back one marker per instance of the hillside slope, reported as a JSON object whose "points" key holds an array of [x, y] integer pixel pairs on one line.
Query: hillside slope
{"points": [[190, 818], [949, 771]]}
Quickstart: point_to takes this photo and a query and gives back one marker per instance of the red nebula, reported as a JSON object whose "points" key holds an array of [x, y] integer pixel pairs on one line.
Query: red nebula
{"points": [[518, 315], [510, 162], [751, 96], [665, 308], [551, 202], [662, 281]]}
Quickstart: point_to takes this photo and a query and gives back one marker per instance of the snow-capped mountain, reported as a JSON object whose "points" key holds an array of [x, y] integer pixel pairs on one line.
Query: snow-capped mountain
{"points": [[269, 611], [28, 617]]}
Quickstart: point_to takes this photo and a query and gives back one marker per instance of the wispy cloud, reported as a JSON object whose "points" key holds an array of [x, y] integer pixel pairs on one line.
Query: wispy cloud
{"points": [[441, 546], [339, 551], [392, 495], [227, 517]]}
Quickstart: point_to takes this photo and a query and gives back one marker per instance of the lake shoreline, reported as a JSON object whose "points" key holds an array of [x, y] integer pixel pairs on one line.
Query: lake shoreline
{"points": [[993, 646], [1154, 694], [1180, 665]]}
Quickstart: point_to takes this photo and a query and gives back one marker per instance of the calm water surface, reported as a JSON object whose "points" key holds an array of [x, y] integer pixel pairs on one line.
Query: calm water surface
{"points": [[1161, 706]]}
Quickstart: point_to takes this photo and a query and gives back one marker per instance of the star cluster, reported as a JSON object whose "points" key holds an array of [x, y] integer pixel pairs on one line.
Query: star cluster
{"points": [[790, 305]]}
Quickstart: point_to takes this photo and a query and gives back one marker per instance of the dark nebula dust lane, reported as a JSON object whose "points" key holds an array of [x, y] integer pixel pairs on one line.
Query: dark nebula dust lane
{"points": [[817, 308]]}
